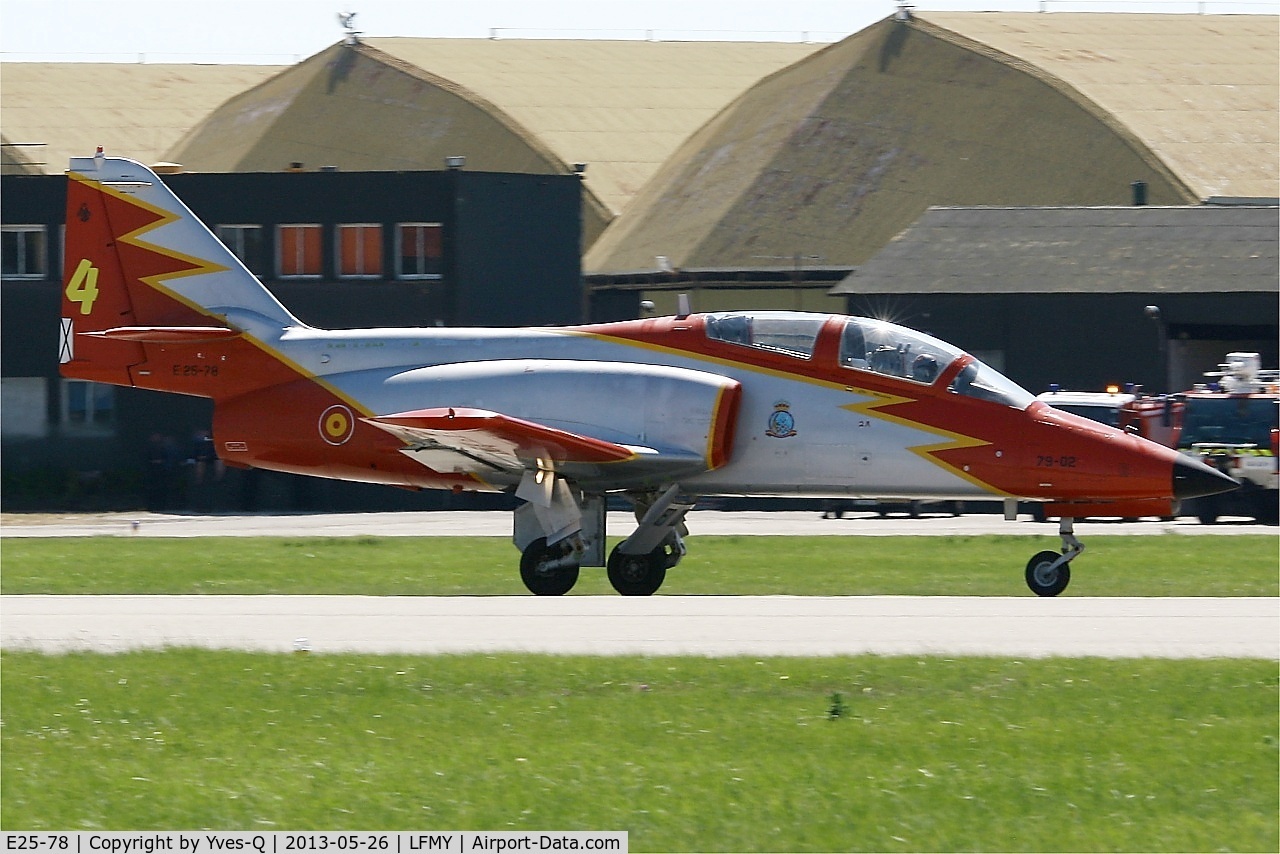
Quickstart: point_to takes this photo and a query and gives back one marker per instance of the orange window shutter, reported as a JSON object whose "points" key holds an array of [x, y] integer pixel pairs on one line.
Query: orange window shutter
{"points": [[288, 251], [349, 245], [310, 250], [433, 242], [372, 236]]}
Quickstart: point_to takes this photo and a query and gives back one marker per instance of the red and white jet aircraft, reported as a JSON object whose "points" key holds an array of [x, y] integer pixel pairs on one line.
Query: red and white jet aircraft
{"points": [[663, 410]]}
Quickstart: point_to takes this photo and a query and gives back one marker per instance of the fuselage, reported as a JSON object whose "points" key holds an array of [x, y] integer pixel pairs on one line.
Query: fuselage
{"points": [[812, 419]]}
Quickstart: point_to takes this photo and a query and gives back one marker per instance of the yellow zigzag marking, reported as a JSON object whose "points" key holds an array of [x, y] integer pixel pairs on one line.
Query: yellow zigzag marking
{"points": [[200, 267], [879, 399], [870, 408]]}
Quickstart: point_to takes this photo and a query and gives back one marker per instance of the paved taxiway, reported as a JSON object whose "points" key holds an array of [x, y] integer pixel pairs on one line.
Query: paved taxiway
{"points": [[498, 524], [658, 625]]}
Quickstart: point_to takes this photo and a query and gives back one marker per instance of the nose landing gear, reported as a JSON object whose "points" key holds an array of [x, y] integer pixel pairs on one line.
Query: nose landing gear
{"points": [[1048, 573]]}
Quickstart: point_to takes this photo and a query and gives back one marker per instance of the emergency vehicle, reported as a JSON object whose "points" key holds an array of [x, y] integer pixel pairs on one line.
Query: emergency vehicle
{"points": [[1232, 423], [1154, 417]]}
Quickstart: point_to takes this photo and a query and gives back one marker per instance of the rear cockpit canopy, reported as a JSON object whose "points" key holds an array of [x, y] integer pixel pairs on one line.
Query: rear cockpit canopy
{"points": [[876, 346]]}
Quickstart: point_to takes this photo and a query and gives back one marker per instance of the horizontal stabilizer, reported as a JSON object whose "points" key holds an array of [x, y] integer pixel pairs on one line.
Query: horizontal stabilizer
{"points": [[166, 334]]}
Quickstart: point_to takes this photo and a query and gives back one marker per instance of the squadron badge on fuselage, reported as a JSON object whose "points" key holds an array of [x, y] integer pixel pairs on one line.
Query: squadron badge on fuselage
{"points": [[782, 423]]}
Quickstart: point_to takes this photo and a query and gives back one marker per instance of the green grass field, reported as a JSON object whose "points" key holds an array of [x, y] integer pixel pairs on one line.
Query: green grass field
{"points": [[853, 753], [1170, 565], [832, 754]]}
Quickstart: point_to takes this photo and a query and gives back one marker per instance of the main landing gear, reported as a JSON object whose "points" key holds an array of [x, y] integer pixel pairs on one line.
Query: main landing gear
{"points": [[549, 570], [550, 559], [1049, 573], [638, 565]]}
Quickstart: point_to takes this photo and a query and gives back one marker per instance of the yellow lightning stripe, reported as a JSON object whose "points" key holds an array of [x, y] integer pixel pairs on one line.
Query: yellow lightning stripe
{"points": [[201, 266], [304, 373], [871, 408], [133, 238]]}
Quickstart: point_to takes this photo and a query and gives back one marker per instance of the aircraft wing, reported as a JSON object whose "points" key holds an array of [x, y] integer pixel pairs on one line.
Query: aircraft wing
{"points": [[486, 443]]}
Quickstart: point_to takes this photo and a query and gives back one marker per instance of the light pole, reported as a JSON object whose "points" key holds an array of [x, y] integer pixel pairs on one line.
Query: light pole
{"points": [[1153, 312]]}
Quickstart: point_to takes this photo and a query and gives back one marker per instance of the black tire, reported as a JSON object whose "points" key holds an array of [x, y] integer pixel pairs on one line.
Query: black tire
{"points": [[637, 575], [541, 578], [1266, 509], [1207, 510], [1044, 581]]}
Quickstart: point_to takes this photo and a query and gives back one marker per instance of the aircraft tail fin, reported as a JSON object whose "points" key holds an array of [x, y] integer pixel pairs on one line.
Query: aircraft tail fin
{"points": [[142, 270]]}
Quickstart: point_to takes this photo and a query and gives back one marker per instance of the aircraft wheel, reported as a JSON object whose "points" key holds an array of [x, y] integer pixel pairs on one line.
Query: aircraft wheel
{"points": [[546, 571], [637, 575], [1043, 579]]}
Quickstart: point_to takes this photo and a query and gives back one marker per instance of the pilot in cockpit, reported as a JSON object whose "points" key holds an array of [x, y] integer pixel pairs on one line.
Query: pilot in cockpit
{"points": [[924, 369]]}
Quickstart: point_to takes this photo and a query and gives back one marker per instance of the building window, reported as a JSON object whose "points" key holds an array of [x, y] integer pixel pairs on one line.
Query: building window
{"points": [[88, 407], [24, 403], [360, 251], [420, 250], [245, 242], [24, 251], [299, 252]]}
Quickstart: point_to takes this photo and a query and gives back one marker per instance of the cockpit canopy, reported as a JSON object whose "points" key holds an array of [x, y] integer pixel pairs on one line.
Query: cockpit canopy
{"points": [[875, 346]]}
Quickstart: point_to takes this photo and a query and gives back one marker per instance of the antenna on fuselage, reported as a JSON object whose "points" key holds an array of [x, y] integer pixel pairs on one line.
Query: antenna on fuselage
{"points": [[682, 307]]}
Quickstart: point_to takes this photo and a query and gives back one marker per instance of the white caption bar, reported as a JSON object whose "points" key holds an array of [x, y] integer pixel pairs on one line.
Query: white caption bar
{"points": [[310, 842]]}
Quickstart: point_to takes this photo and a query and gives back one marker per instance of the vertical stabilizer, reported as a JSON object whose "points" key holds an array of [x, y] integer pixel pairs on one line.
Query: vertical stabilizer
{"points": [[141, 271]]}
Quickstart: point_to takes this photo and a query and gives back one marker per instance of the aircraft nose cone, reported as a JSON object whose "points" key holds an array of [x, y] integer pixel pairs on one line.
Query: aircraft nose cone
{"points": [[1193, 479]]}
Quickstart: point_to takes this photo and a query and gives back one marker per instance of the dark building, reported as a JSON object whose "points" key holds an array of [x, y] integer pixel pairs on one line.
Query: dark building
{"points": [[1086, 297], [340, 249]]}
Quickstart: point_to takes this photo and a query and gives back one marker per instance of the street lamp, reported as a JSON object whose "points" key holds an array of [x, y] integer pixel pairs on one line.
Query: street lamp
{"points": [[1153, 313]]}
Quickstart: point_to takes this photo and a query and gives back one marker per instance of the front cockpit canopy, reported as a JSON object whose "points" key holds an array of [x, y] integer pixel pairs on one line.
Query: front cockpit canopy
{"points": [[876, 346]]}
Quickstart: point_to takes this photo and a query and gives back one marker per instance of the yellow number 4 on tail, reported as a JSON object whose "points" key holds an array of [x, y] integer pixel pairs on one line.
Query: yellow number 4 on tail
{"points": [[83, 287]]}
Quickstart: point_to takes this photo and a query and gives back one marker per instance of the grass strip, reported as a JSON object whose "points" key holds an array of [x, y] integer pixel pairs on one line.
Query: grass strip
{"points": [[1172, 565], [851, 753]]}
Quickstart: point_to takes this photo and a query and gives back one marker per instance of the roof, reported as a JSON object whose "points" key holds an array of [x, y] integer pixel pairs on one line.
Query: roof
{"points": [[1201, 91], [621, 107], [829, 158], [133, 110], [1078, 250]]}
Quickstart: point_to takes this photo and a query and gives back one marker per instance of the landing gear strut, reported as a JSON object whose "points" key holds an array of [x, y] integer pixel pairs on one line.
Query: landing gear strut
{"points": [[1048, 573], [574, 526], [638, 565]]}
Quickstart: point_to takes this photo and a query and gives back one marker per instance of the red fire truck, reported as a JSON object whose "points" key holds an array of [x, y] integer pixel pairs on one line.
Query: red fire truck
{"points": [[1232, 423]]}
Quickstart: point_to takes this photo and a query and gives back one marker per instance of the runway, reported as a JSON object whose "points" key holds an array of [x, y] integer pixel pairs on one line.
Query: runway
{"points": [[659, 625], [462, 523], [612, 625]]}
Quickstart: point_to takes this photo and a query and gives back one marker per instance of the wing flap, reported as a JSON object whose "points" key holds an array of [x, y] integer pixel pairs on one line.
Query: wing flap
{"points": [[501, 442]]}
